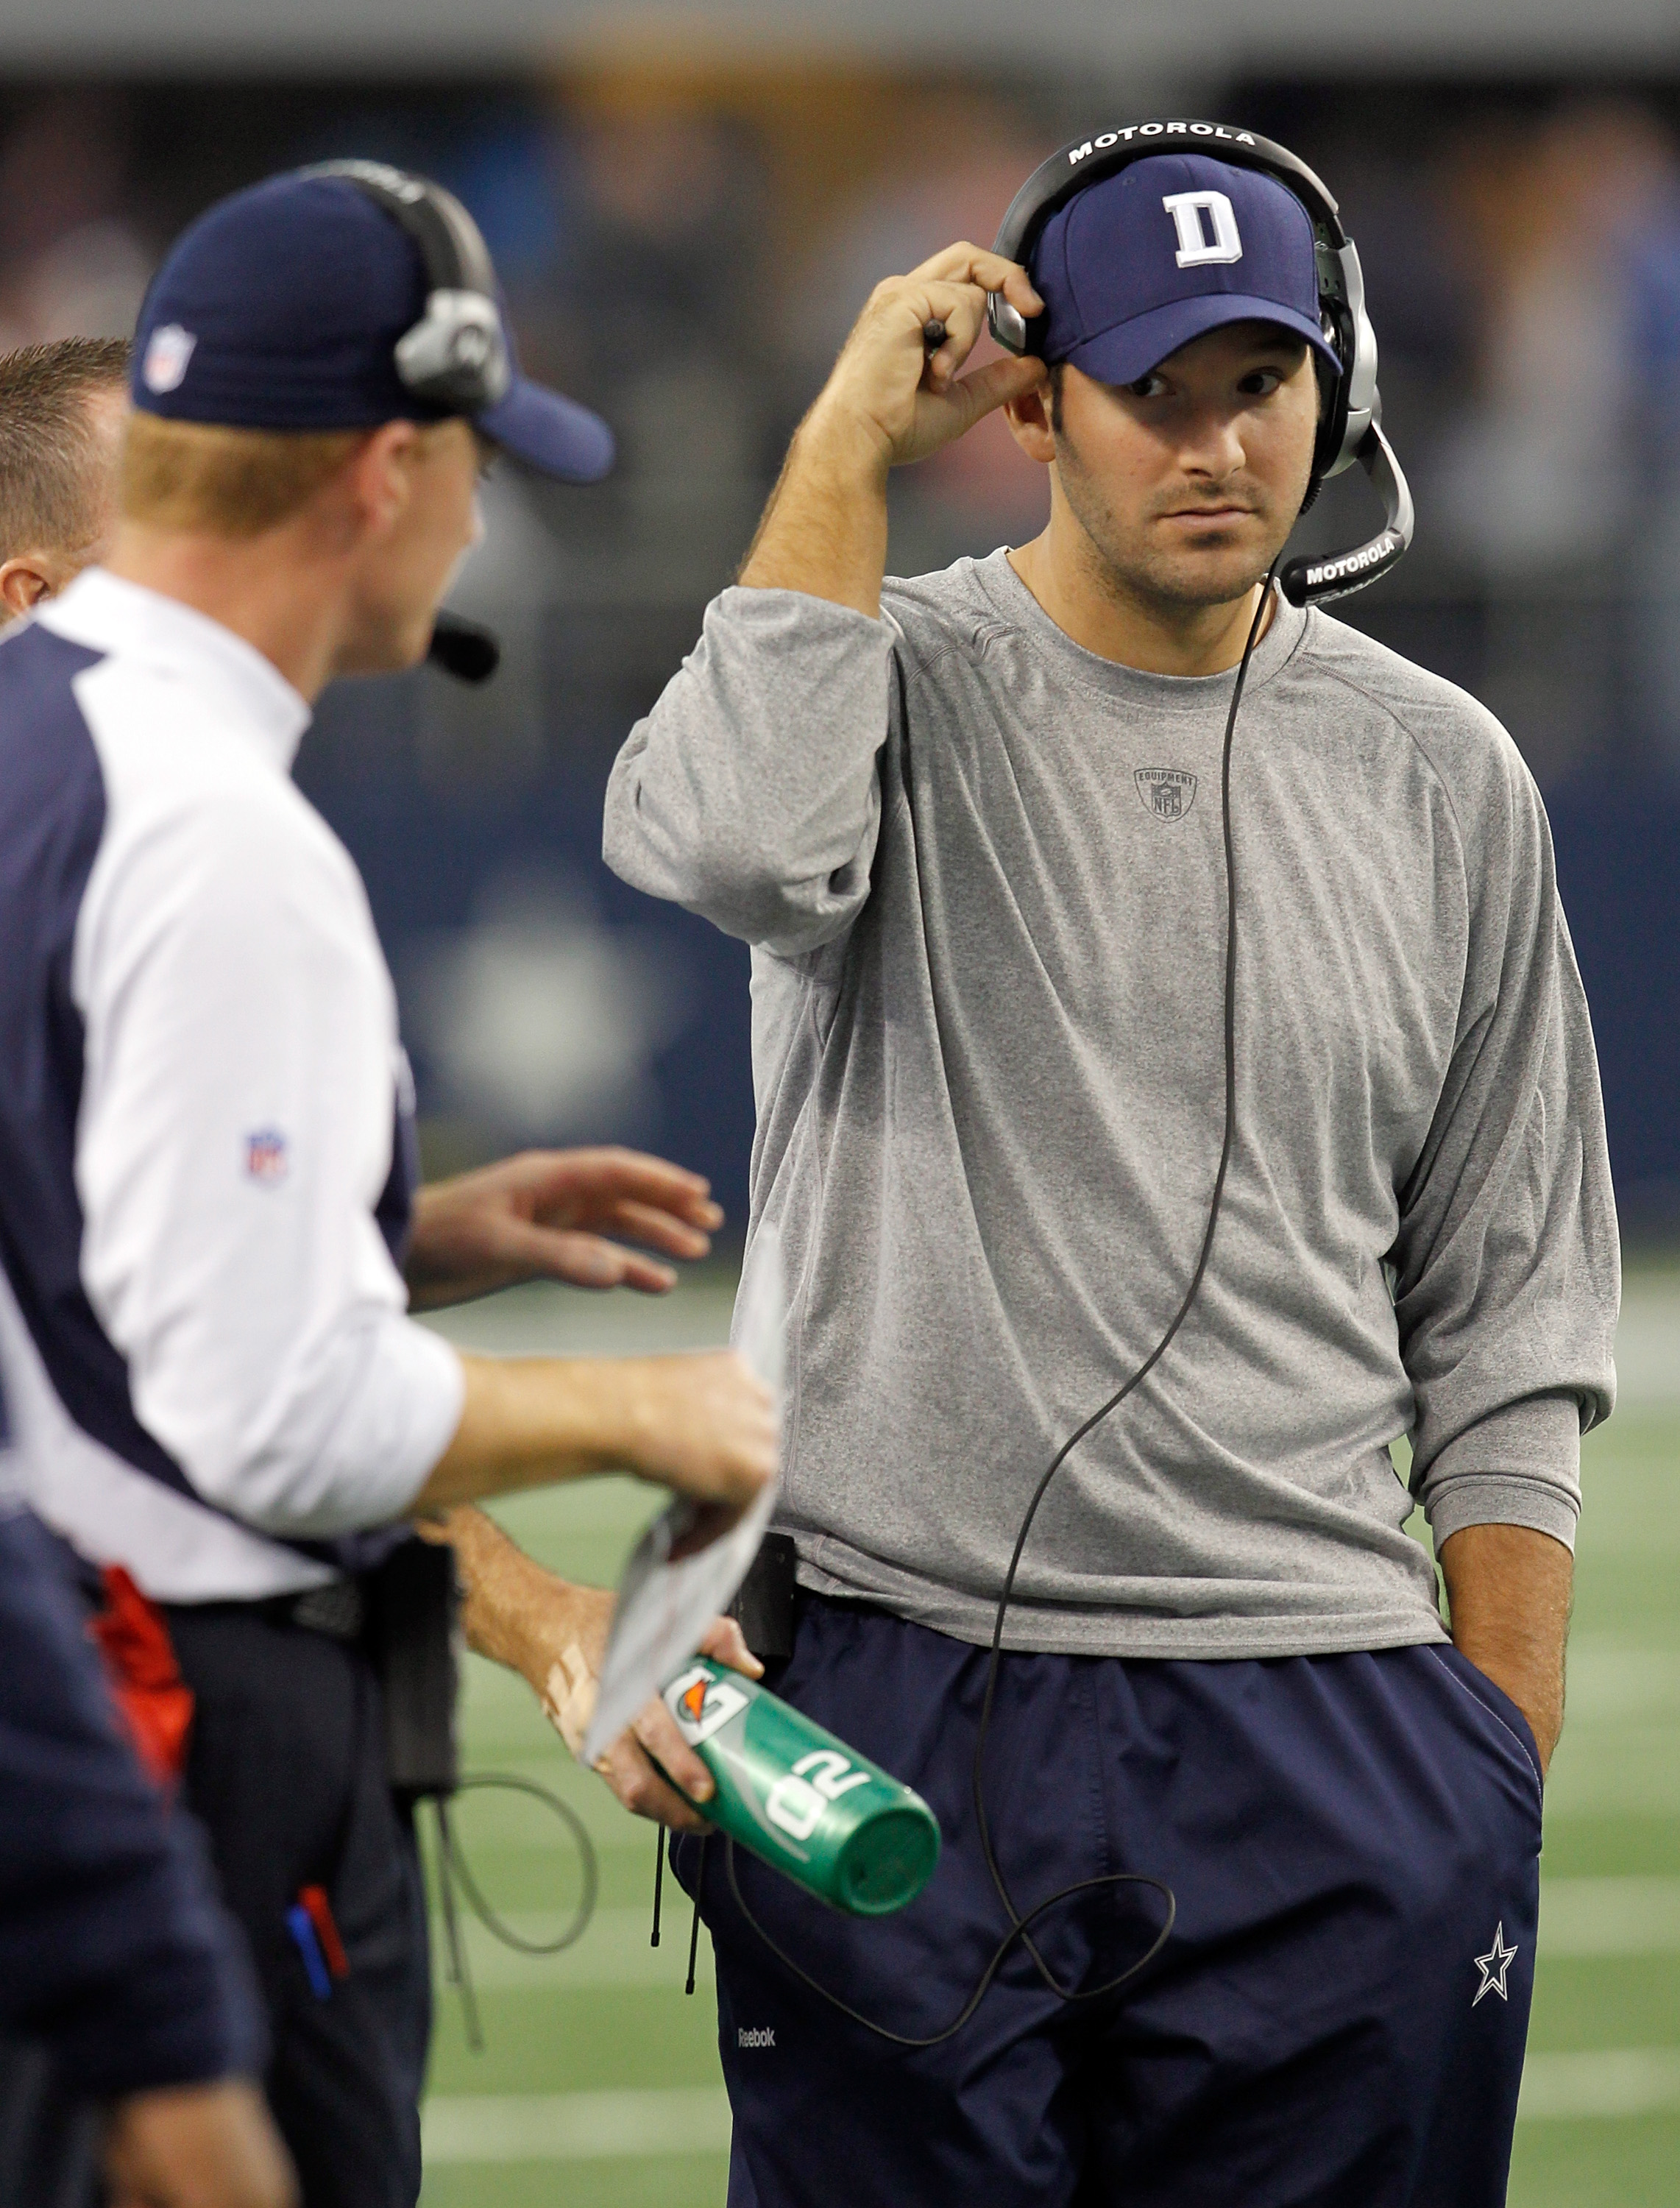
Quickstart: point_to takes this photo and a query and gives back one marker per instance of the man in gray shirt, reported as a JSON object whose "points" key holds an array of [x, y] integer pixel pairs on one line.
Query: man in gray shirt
{"points": [[972, 826]]}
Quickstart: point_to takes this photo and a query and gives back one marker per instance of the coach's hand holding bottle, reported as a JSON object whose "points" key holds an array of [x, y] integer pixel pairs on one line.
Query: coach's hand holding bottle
{"points": [[554, 1633]]}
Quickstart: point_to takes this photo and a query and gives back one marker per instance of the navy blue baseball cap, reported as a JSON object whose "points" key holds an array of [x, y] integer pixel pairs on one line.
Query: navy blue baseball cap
{"points": [[281, 307], [1166, 249]]}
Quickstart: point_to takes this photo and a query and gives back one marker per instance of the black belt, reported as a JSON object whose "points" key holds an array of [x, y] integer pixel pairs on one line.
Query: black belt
{"points": [[402, 1619], [338, 1609]]}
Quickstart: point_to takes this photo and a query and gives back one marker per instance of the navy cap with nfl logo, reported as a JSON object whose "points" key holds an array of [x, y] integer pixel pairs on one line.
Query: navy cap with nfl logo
{"points": [[340, 298]]}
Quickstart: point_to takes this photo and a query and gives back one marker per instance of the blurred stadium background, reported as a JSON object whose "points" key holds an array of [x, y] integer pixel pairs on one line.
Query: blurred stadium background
{"points": [[687, 203]]}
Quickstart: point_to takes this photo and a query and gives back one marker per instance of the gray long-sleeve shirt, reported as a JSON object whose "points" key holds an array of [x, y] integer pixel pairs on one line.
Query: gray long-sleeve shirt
{"points": [[981, 870]]}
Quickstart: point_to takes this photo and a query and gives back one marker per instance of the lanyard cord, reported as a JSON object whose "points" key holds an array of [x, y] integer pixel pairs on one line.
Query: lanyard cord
{"points": [[1020, 1924]]}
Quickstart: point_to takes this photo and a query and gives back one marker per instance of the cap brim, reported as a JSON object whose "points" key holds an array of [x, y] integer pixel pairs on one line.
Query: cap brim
{"points": [[554, 436], [1132, 349]]}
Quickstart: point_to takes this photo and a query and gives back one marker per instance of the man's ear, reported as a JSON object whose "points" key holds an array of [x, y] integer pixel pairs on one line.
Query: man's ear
{"points": [[380, 477], [1028, 419], [26, 581]]}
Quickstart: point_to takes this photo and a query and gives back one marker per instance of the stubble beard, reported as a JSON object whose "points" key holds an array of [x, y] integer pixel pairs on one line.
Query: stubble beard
{"points": [[1129, 570]]}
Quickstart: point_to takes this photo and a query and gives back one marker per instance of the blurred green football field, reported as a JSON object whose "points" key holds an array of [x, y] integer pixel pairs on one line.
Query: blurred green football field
{"points": [[599, 2085]]}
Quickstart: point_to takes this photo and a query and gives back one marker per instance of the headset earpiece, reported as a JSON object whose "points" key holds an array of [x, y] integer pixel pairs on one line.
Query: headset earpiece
{"points": [[456, 355], [1350, 427]]}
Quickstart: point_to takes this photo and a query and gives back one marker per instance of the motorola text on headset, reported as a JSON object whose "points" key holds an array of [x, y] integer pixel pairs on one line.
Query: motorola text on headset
{"points": [[1351, 423], [455, 356], [1349, 430]]}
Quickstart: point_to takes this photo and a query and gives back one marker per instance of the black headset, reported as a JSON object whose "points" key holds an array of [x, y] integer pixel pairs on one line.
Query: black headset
{"points": [[456, 355], [1350, 424]]}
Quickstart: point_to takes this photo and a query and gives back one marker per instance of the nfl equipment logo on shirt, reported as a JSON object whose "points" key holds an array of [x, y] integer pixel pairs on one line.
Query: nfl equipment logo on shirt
{"points": [[1167, 791]]}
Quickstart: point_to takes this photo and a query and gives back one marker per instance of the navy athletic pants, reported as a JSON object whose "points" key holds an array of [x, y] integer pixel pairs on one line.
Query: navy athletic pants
{"points": [[286, 1773], [1337, 2020]]}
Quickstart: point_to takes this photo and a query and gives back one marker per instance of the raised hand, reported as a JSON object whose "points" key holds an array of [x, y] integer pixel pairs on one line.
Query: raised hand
{"points": [[889, 381], [549, 1215], [893, 397]]}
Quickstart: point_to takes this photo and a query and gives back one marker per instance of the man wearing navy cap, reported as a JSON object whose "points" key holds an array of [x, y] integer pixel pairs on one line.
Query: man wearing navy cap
{"points": [[206, 1149], [972, 825]]}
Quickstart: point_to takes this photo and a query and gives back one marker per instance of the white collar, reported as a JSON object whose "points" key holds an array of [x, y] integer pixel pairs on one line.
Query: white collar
{"points": [[108, 614]]}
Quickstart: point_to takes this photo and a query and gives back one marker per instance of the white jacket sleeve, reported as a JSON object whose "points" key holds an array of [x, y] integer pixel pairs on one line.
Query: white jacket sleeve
{"points": [[234, 1134]]}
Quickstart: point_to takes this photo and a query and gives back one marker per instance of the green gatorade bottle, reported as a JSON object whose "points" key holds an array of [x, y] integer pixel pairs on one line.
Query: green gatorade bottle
{"points": [[800, 1800]]}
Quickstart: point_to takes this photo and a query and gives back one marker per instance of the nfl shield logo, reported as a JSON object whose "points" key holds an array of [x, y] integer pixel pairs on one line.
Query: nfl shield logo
{"points": [[168, 350], [1167, 791], [266, 1159]]}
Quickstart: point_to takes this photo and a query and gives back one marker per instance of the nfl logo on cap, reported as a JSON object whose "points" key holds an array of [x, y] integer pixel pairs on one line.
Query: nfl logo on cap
{"points": [[168, 350]]}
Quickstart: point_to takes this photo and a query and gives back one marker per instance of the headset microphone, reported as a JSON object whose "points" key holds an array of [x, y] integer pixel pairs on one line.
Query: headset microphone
{"points": [[464, 649], [1335, 574], [455, 356], [1350, 429]]}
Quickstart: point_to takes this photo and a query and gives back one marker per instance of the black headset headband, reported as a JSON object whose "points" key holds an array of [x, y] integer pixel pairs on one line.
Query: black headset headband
{"points": [[1086, 161], [456, 355], [1351, 427], [456, 257]]}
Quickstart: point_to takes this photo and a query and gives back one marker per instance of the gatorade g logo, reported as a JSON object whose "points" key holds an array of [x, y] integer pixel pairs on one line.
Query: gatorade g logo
{"points": [[797, 1800], [702, 1705]]}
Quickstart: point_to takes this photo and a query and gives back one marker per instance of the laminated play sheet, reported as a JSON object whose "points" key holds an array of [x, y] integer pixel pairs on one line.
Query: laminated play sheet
{"points": [[666, 1600]]}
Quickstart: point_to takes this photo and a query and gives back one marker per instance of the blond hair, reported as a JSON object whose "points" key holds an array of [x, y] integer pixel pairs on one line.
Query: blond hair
{"points": [[204, 479]]}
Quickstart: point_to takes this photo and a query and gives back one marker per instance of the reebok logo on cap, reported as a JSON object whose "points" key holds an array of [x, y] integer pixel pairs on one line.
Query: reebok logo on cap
{"points": [[168, 351]]}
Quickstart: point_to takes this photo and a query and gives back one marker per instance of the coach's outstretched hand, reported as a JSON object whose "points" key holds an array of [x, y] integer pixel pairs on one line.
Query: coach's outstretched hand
{"points": [[702, 1424], [557, 1215], [892, 399], [554, 1634]]}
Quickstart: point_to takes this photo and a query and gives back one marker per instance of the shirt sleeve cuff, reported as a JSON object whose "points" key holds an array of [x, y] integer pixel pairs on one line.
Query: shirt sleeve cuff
{"points": [[424, 1391], [1472, 1501], [399, 1419], [1519, 1466]]}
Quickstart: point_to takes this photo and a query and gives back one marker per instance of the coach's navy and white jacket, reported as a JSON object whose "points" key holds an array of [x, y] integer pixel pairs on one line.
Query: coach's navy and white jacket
{"points": [[213, 1375]]}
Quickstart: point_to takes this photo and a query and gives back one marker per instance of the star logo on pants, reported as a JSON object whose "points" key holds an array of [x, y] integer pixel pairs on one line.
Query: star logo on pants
{"points": [[1494, 1964]]}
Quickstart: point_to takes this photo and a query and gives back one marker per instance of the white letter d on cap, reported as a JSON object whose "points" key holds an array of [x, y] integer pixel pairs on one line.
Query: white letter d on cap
{"points": [[1185, 209]]}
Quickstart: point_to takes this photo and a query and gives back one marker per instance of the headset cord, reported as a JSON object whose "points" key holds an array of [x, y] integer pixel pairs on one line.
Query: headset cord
{"points": [[1020, 1924], [453, 1869]]}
